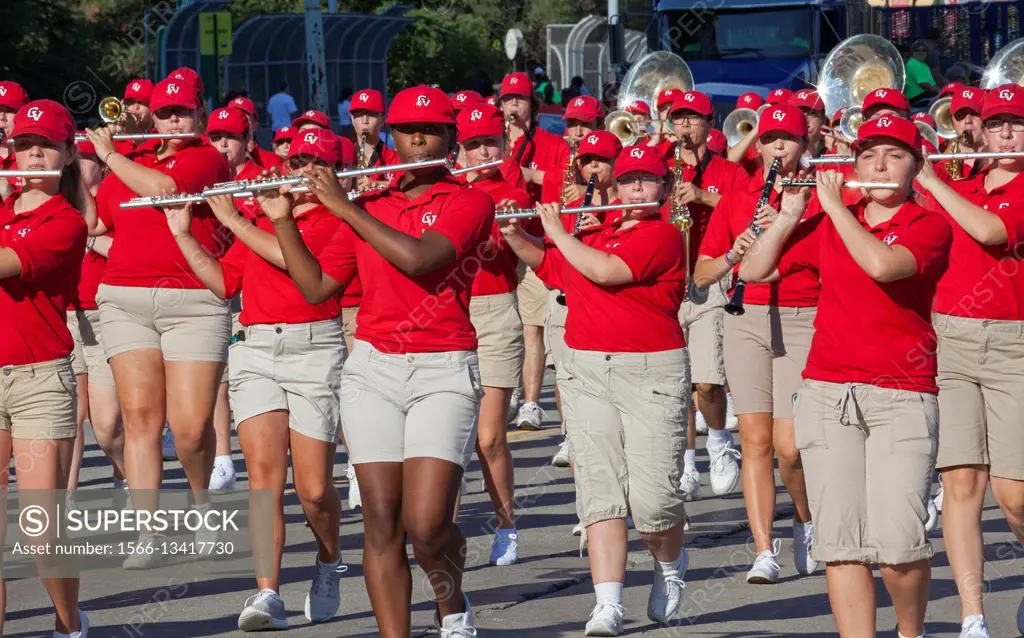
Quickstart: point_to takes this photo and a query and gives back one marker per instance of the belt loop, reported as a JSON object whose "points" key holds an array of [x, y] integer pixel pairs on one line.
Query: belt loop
{"points": [[309, 331], [849, 407]]}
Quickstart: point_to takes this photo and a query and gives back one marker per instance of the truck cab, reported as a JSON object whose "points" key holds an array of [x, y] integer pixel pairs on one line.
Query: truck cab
{"points": [[737, 46]]}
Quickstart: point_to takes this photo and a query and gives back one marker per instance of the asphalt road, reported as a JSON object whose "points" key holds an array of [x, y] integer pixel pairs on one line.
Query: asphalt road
{"points": [[548, 593]]}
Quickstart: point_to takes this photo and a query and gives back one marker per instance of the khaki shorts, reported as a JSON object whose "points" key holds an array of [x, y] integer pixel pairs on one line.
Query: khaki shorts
{"points": [[348, 324], [402, 406], [89, 356], [533, 297], [625, 419], [868, 455], [702, 319], [499, 334], [294, 367], [981, 394], [554, 331], [236, 327], [39, 401], [765, 354], [185, 325]]}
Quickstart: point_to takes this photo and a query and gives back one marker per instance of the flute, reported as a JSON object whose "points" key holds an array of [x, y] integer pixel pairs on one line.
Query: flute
{"points": [[30, 173], [535, 212], [796, 183], [80, 137], [935, 157]]}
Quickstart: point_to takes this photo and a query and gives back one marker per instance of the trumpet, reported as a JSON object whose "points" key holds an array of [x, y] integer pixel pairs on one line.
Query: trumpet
{"points": [[247, 188], [526, 213], [935, 157], [111, 109], [30, 173], [797, 183]]}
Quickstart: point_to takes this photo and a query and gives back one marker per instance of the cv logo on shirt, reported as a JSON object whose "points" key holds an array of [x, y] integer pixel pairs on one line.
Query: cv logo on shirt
{"points": [[712, 189], [889, 239], [23, 231], [532, 166], [428, 218]]}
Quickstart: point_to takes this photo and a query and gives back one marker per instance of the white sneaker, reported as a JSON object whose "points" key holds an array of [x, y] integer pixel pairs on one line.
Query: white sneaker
{"points": [[933, 517], [605, 620], [938, 497], [690, 485], [263, 611], [222, 478], [354, 499], [169, 452], [766, 569], [464, 488], [974, 627], [505, 547], [514, 404], [803, 538], [530, 416], [701, 423], [324, 595], [667, 591], [725, 472], [561, 458], [457, 625], [148, 554], [732, 422], [577, 529], [83, 631]]}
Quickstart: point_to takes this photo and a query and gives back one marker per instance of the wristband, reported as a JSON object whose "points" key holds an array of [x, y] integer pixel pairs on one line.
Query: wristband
{"points": [[89, 244], [729, 260], [108, 157]]}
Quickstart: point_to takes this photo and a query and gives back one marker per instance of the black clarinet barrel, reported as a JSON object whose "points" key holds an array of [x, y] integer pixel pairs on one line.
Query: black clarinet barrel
{"points": [[735, 305]]}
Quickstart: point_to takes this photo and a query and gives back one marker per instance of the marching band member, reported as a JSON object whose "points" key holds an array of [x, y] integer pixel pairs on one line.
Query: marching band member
{"points": [[813, 108], [866, 421], [286, 371], [164, 333], [412, 430], [42, 240], [367, 112], [745, 152], [499, 330], [262, 157], [705, 177], [663, 104], [137, 95], [464, 99], [583, 116], [717, 143], [624, 376], [537, 152], [311, 119], [12, 98], [965, 109], [765, 349], [779, 96], [641, 110], [881, 102], [282, 141], [979, 322]]}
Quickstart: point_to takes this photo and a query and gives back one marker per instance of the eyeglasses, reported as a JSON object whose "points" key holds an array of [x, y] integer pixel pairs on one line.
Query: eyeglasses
{"points": [[166, 113], [994, 126], [645, 180], [688, 119]]}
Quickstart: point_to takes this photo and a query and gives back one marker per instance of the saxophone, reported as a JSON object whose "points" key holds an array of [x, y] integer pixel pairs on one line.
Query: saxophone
{"points": [[509, 121], [680, 217], [569, 177], [360, 152], [954, 168]]}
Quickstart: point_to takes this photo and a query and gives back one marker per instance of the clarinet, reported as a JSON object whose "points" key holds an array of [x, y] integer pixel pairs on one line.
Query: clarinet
{"points": [[587, 199], [735, 305]]}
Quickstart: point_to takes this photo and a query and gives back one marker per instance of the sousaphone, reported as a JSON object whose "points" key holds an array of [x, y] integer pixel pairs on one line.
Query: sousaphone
{"points": [[645, 80], [855, 68]]}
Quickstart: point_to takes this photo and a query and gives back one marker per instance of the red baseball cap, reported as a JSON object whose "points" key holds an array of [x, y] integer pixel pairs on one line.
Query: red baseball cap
{"points": [[749, 100], [188, 75], [601, 143], [516, 84], [367, 100], [838, 116], [46, 118], [892, 98], [346, 149], [923, 117], [85, 147], [639, 108], [584, 108], [891, 127], [244, 105], [692, 101], [140, 90], [313, 117], [1007, 99], [967, 97], [779, 117], [480, 120], [950, 89], [493, 101], [640, 158], [667, 96], [421, 104], [462, 99], [232, 121], [172, 92], [717, 142], [779, 96], [807, 99], [316, 142], [12, 96], [285, 133]]}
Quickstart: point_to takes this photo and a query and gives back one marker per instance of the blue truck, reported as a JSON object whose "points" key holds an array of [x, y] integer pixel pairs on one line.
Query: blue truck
{"points": [[736, 46]]}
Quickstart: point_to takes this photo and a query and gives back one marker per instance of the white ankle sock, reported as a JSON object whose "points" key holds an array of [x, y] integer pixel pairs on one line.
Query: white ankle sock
{"points": [[689, 460], [669, 569], [608, 593], [718, 438], [224, 460]]}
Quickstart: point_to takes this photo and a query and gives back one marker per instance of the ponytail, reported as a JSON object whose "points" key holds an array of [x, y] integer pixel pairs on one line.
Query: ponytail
{"points": [[71, 186]]}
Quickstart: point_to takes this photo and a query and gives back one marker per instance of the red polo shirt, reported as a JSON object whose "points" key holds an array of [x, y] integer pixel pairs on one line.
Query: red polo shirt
{"points": [[93, 267], [870, 332], [498, 263], [249, 207], [49, 242], [265, 159], [429, 312], [641, 316], [985, 282], [146, 254], [540, 151], [269, 295], [732, 216], [10, 163]]}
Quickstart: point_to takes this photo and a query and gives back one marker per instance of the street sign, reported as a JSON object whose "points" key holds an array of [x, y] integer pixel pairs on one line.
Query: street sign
{"points": [[215, 33], [513, 43]]}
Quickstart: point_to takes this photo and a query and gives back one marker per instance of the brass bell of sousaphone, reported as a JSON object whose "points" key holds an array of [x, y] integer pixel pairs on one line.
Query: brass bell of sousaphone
{"points": [[1006, 66], [856, 67], [648, 77], [740, 123]]}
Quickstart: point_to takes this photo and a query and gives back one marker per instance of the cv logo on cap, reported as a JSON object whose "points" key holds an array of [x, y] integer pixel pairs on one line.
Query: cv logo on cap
{"points": [[881, 93], [363, 97], [35, 113], [513, 80], [1006, 94], [476, 115], [778, 115], [223, 115], [136, 86], [461, 97], [968, 94], [172, 89], [638, 153], [3, 90], [802, 95], [592, 139], [422, 100], [746, 98], [688, 97], [578, 102], [309, 138]]}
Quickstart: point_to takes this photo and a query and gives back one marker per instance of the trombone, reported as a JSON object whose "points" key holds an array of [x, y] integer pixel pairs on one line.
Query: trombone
{"points": [[579, 210]]}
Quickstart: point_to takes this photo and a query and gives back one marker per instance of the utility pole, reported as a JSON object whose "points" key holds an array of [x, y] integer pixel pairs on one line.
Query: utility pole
{"points": [[315, 56], [616, 40]]}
